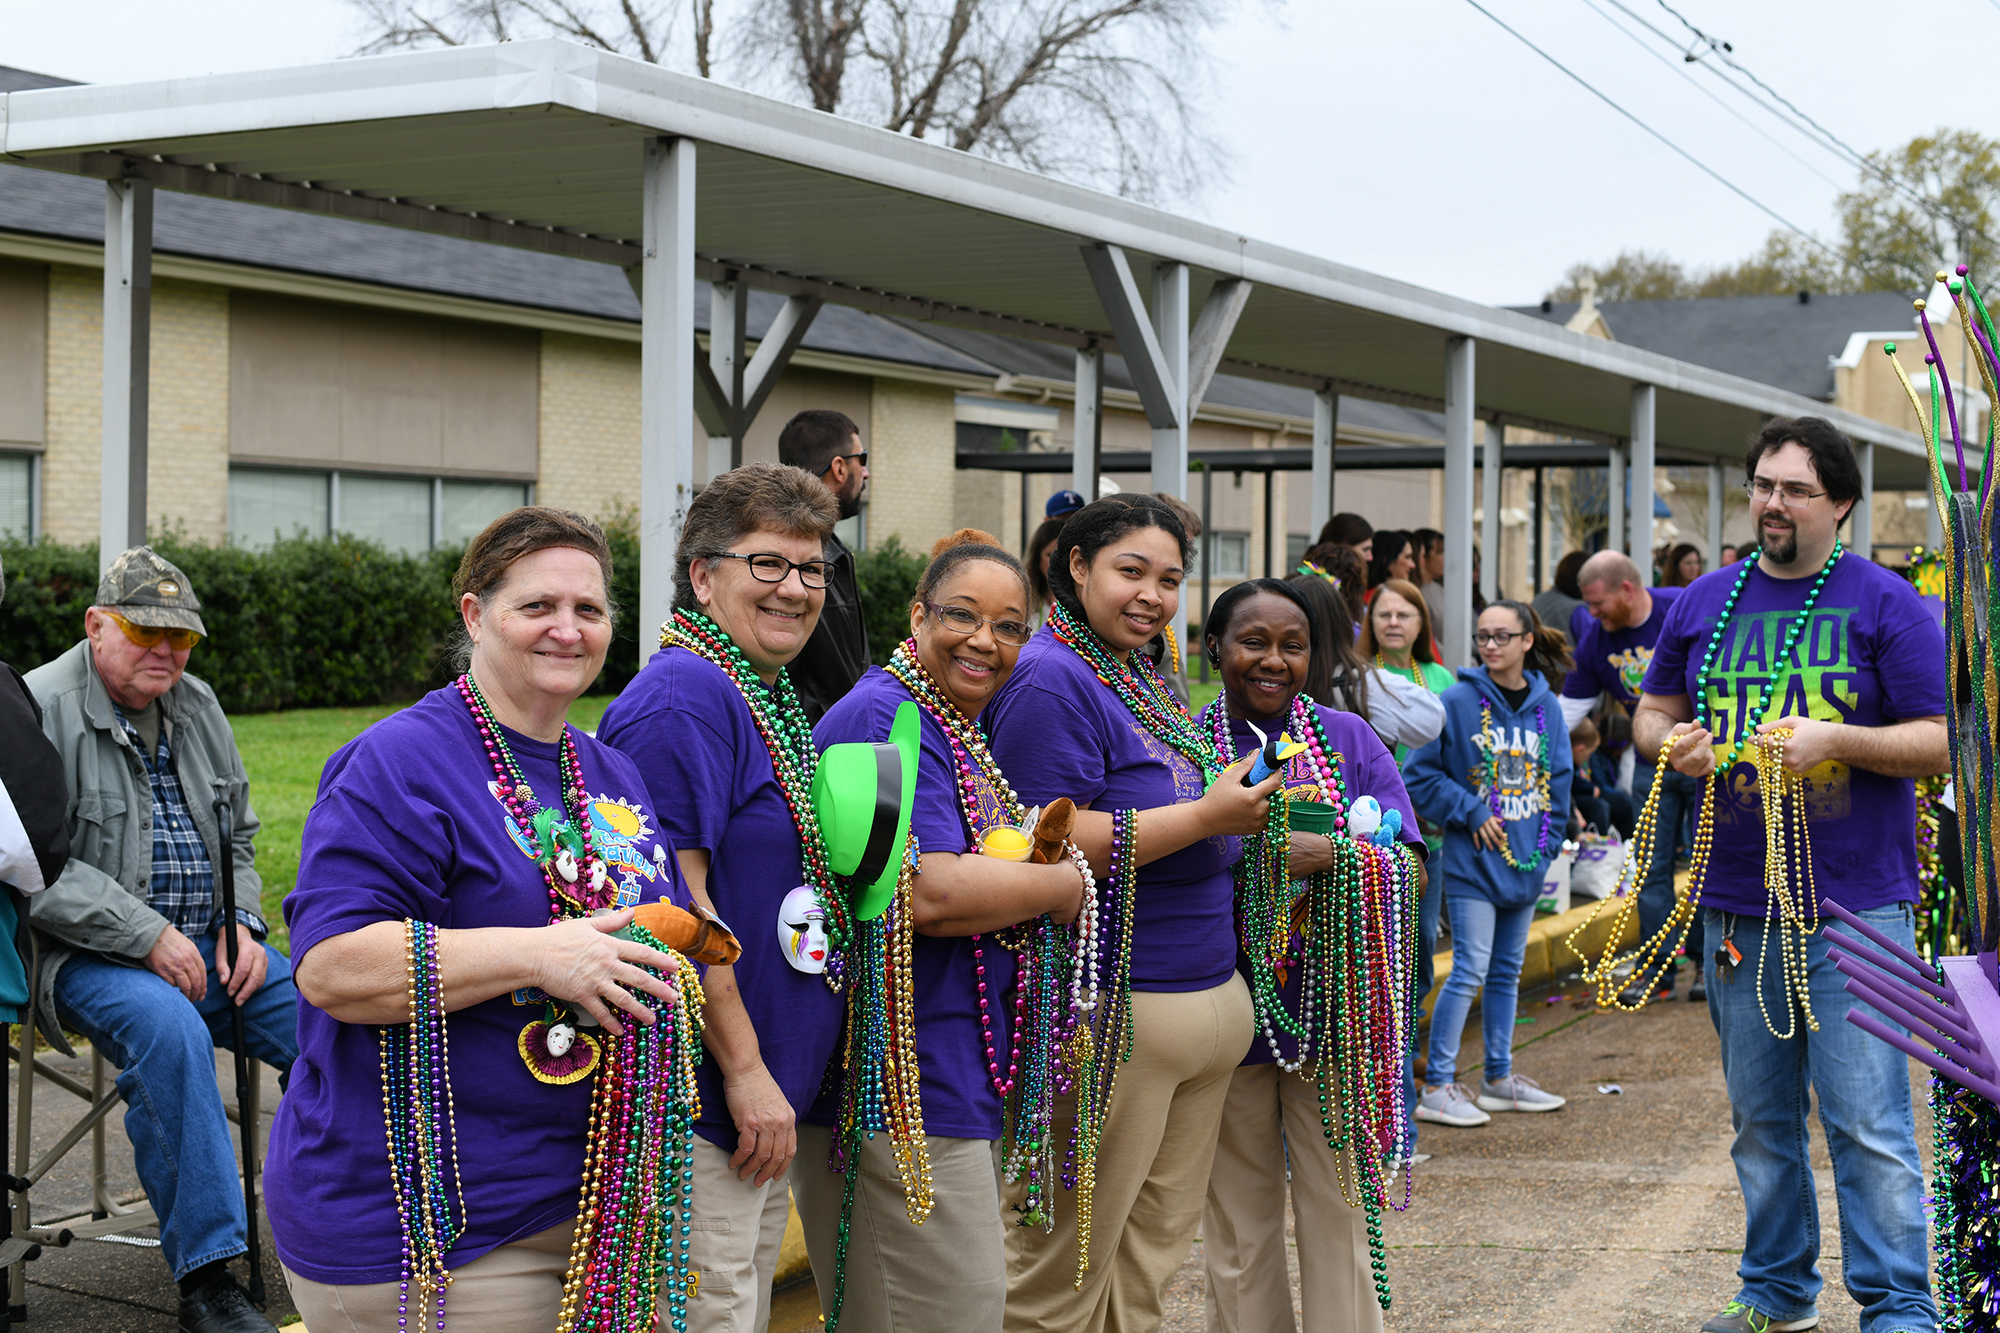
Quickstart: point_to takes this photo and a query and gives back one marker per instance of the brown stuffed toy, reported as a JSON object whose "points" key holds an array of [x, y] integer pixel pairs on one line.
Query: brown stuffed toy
{"points": [[698, 934], [1058, 821]]}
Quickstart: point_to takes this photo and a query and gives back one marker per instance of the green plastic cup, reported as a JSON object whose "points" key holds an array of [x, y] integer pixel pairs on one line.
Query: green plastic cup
{"points": [[1312, 817]]}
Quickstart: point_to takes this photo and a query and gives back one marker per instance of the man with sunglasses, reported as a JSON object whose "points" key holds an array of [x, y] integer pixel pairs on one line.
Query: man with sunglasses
{"points": [[132, 957], [828, 445], [1862, 694]]}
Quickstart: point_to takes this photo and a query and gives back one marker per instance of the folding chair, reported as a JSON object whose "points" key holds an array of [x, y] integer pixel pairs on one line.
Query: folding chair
{"points": [[106, 1216]]}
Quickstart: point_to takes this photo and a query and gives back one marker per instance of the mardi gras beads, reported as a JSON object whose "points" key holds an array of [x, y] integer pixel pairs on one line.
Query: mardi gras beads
{"points": [[1747, 723], [1792, 914], [1139, 687], [1104, 1041], [421, 1125], [1545, 832]]}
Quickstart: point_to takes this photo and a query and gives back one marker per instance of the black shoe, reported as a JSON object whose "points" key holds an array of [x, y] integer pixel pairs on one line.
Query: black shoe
{"points": [[222, 1307], [1698, 992], [1633, 996]]}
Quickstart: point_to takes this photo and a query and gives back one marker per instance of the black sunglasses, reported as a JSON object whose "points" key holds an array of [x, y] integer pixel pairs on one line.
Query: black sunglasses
{"points": [[859, 460]]}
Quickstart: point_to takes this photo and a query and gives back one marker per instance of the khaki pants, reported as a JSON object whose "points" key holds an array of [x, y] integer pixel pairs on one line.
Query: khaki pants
{"points": [[949, 1273], [514, 1289], [1243, 1229], [738, 1228], [1152, 1169]]}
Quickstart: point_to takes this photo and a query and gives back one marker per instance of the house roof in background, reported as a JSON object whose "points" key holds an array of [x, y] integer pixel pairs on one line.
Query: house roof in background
{"points": [[21, 80], [1776, 340]]}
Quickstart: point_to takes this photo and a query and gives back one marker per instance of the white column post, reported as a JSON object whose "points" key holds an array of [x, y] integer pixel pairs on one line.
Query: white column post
{"points": [[666, 377], [1614, 500], [1644, 400], [1861, 533], [1089, 422], [1326, 428], [728, 313], [128, 324], [1170, 325], [1717, 479], [1489, 500], [1458, 459]]}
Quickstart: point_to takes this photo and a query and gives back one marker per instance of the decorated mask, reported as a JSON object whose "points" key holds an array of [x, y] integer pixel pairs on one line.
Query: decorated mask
{"points": [[802, 930]]}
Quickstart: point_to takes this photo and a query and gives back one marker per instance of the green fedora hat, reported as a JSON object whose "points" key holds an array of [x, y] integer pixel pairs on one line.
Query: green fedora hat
{"points": [[863, 793]]}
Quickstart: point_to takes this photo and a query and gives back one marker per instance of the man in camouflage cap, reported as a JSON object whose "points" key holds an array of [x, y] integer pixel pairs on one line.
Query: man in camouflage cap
{"points": [[132, 957]]}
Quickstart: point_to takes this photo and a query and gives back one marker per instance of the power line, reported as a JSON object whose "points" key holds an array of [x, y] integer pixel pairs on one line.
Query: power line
{"points": [[1700, 165], [1709, 93]]}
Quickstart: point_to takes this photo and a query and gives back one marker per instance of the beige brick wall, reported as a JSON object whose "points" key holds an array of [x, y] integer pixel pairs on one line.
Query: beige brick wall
{"points": [[912, 480], [188, 464], [589, 424]]}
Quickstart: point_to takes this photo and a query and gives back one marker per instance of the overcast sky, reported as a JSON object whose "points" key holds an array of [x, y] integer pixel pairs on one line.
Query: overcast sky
{"points": [[1414, 138]]}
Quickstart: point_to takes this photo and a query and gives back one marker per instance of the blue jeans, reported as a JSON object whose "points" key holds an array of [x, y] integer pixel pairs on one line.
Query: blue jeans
{"points": [[1680, 799], [1488, 944], [164, 1048], [1429, 908], [1863, 1088]]}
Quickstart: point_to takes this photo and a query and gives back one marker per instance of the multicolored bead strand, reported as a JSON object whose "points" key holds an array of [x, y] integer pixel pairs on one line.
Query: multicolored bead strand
{"points": [[1547, 838], [1103, 1041], [421, 1124], [1138, 686]]}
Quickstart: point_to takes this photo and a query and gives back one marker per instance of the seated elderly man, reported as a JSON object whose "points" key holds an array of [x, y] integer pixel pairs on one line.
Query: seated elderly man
{"points": [[132, 922]]}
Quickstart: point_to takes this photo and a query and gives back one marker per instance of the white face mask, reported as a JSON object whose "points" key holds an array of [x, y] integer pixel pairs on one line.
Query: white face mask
{"points": [[802, 930]]}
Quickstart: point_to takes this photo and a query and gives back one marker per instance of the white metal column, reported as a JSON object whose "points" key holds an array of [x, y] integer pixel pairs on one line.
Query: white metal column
{"points": [[1489, 501], [1717, 479], [1458, 460], [1326, 429], [1861, 533], [728, 320], [1614, 500], [666, 378], [1644, 400], [128, 321], [1170, 326], [1089, 422]]}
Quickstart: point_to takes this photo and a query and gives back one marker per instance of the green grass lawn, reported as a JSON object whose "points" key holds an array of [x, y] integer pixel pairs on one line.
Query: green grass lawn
{"points": [[285, 753]]}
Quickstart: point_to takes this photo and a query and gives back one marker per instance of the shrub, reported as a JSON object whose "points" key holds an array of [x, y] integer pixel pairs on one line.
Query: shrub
{"points": [[887, 577]]}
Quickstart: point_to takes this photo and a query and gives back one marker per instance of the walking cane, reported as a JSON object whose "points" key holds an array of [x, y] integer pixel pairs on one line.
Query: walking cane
{"points": [[246, 1118]]}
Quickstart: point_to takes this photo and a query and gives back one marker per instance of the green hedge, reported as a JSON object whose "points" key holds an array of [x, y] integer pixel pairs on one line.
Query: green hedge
{"points": [[336, 621]]}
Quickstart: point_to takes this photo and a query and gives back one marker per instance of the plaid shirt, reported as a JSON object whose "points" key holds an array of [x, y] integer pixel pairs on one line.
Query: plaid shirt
{"points": [[182, 885]]}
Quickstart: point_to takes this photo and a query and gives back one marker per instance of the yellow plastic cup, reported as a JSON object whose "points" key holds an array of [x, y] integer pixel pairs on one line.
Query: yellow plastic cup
{"points": [[1006, 843]]}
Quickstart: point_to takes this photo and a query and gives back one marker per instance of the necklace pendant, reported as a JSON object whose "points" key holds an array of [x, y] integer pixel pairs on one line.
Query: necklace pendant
{"points": [[566, 866]]}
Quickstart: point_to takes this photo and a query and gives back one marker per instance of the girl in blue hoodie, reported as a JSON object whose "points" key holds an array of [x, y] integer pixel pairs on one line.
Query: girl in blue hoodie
{"points": [[1497, 781]]}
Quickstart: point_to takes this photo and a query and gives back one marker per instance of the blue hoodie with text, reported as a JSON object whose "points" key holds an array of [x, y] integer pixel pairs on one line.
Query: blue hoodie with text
{"points": [[1455, 780]]}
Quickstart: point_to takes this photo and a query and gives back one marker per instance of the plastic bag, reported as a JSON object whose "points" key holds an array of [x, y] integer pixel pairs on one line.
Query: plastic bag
{"points": [[1598, 865]]}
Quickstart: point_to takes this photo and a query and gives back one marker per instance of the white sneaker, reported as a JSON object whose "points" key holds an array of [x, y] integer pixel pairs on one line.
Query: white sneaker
{"points": [[1518, 1092], [1450, 1105]]}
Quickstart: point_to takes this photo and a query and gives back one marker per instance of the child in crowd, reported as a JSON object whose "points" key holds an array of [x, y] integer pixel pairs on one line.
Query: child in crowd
{"points": [[1598, 804]]}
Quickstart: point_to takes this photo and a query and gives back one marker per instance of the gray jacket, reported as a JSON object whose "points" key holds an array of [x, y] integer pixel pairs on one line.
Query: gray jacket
{"points": [[98, 904]]}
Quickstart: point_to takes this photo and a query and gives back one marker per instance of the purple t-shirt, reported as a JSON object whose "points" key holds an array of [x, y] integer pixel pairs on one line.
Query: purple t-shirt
{"points": [[1872, 655], [1366, 768], [407, 825], [1614, 662], [959, 1101], [1060, 731], [686, 726]]}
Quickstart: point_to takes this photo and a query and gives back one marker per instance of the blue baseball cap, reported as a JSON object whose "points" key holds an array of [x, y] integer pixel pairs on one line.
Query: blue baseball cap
{"points": [[1061, 504]]}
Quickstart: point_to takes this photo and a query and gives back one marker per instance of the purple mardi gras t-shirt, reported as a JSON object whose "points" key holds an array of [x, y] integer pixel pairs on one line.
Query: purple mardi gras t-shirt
{"points": [[1365, 768], [686, 726], [407, 825], [1870, 656], [1614, 662], [1060, 731], [959, 1101]]}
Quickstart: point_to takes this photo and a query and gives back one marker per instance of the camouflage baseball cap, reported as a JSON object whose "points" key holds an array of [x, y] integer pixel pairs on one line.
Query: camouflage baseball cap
{"points": [[145, 588]]}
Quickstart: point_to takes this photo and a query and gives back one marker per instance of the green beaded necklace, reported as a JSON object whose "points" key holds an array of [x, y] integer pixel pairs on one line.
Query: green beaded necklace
{"points": [[1783, 660]]}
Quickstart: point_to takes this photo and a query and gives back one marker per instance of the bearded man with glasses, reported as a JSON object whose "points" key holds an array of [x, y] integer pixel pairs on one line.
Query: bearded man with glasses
{"points": [[1838, 652], [828, 445], [132, 956]]}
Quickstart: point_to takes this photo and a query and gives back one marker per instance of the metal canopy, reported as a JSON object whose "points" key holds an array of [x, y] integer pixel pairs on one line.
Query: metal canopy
{"points": [[541, 144]]}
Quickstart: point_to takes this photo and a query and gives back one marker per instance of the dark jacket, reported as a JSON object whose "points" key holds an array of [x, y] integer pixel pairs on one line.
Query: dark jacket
{"points": [[34, 827], [99, 902], [837, 653]]}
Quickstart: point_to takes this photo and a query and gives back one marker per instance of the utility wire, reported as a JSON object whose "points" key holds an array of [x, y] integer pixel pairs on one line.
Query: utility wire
{"points": [[1699, 165], [1680, 68]]}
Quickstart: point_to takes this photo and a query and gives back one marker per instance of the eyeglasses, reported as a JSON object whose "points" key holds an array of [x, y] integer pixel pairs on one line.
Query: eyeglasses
{"points": [[770, 568], [965, 622], [1789, 493], [146, 636], [859, 460], [1499, 638]]}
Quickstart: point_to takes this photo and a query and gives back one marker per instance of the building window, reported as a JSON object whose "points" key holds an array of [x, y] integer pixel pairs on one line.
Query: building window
{"points": [[1295, 551], [1230, 554], [17, 495], [404, 514]]}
